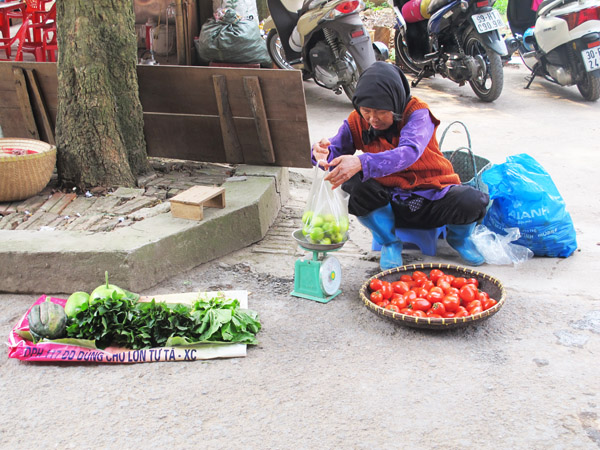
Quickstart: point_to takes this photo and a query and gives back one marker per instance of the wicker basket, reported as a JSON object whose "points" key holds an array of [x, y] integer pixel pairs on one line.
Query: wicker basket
{"points": [[467, 165], [23, 176], [486, 283]]}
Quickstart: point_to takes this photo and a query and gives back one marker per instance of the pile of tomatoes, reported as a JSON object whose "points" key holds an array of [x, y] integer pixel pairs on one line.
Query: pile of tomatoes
{"points": [[437, 295]]}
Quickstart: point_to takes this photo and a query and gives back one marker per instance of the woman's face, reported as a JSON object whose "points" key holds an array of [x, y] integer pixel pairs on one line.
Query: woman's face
{"points": [[379, 119]]}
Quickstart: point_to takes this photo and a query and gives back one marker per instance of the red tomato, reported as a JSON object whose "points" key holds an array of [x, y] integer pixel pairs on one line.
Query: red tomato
{"points": [[399, 301], [473, 304], [448, 315], [443, 284], [452, 291], [428, 285], [433, 315], [461, 314], [392, 308], [420, 304], [467, 293], [375, 284], [407, 311], [418, 274], [488, 303], [419, 282], [475, 310], [435, 274], [421, 292], [438, 308], [410, 296], [419, 313], [386, 290], [482, 296], [384, 303], [451, 303], [406, 277], [400, 287], [461, 309], [435, 294], [376, 297], [473, 281], [459, 282]]}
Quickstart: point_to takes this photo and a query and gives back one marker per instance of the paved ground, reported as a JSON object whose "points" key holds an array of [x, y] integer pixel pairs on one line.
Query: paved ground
{"points": [[338, 376]]}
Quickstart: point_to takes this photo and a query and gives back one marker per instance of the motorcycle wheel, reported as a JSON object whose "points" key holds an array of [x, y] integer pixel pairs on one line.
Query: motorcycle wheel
{"points": [[350, 87], [403, 59], [487, 85], [590, 87], [276, 51]]}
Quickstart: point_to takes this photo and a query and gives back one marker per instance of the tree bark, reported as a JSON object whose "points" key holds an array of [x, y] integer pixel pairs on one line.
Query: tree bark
{"points": [[100, 124]]}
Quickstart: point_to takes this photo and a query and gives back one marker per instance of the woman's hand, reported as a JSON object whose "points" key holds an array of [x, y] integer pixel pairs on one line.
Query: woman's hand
{"points": [[346, 166], [320, 152]]}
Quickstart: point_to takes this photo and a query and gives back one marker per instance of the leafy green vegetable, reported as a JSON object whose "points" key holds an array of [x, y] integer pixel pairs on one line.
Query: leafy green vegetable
{"points": [[120, 320]]}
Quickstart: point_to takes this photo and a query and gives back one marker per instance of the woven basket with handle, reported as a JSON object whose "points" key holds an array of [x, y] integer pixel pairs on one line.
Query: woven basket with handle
{"points": [[26, 166], [467, 165]]}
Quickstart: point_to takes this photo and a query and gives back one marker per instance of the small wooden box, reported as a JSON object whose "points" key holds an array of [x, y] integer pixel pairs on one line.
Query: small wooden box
{"points": [[190, 204]]}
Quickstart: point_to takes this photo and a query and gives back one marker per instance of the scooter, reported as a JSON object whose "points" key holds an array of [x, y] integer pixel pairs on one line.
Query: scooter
{"points": [[458, 39], [560, 42], [326, 39]]}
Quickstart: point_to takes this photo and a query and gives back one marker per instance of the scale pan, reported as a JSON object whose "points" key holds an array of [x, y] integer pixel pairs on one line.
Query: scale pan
{"points": [[302, 242]]}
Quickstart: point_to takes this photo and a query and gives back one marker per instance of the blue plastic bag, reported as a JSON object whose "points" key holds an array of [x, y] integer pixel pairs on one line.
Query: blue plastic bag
{"points": [[524, 196]]}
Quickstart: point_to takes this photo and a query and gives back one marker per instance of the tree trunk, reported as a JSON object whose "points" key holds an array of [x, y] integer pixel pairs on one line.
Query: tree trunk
{"points": [[99, 124]]}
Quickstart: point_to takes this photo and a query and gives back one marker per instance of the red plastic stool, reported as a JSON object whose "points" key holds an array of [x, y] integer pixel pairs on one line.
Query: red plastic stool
{"points": [[424, 239]]}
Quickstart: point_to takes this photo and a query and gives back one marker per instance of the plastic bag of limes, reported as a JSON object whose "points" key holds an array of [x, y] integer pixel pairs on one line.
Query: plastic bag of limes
{"points": [[325, 218]]}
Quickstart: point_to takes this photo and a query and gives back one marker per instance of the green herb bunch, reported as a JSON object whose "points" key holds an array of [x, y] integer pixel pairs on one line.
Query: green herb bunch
{"points": [[122, 321]]}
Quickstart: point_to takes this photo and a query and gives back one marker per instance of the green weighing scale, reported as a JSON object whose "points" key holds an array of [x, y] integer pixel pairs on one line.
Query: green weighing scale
{"points": [[318, 278]]}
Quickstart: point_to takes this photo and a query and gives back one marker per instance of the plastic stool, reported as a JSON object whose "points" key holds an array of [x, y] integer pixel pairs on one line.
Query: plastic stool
{"points": [[424, 239]]}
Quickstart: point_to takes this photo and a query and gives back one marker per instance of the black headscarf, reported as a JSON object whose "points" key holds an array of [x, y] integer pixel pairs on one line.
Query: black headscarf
{"points": [[382, 86]]}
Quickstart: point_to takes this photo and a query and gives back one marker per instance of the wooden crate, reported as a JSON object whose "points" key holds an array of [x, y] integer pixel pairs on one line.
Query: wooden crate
{"points": [[190, 203]]}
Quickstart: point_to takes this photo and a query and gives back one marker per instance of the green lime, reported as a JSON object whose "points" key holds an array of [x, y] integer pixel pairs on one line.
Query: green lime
{"points": [[327, 227], [317, 221], [344, 225], [307, 216], [325, 241], [75, 301], [316, 234], [329, 218], [337, 238]]}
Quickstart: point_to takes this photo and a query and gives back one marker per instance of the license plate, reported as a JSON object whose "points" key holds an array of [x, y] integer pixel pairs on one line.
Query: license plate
{"points": [[591, 58], [488, 21]]}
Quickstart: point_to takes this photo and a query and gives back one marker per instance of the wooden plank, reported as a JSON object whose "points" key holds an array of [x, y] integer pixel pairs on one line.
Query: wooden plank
{"points": [[41, 103], [62, 203], [231, 142], [79, 206], [254, 95], [32, 203], [180, 32], [25, 103]]}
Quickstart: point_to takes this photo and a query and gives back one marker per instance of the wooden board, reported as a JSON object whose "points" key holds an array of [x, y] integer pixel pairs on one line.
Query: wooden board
{"points": [[186, 117]]}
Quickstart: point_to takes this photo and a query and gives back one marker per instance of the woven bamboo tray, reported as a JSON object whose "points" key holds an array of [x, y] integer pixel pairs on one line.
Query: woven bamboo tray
{"points": [[488, 284], [24, 175]]}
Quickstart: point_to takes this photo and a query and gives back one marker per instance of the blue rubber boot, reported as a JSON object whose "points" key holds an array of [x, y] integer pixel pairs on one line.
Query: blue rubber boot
{"points": [[382, 223], [458, 236]]}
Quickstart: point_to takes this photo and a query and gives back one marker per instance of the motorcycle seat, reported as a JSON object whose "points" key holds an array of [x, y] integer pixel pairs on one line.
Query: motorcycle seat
{"points": [[435, 5]]}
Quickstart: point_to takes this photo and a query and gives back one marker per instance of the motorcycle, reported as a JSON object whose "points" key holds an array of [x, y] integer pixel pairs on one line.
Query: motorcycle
{"points": [[326, 39], [458, 39], [560, 42]]}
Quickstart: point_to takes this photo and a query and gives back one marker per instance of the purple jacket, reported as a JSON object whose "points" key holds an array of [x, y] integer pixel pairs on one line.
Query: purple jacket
{"points": [[414, 137]]}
